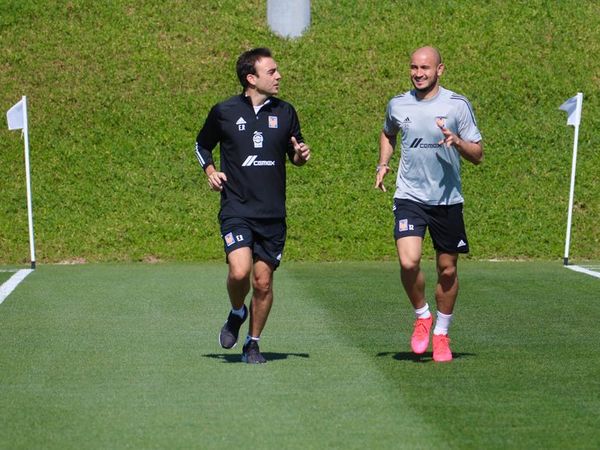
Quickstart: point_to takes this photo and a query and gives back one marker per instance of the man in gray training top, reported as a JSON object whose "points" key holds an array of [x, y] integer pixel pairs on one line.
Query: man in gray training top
{"points": [[437, 127]]}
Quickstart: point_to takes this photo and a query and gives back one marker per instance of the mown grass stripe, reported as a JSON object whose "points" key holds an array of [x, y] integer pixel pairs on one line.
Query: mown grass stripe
{"points": [[504, 387], [361, 398]]}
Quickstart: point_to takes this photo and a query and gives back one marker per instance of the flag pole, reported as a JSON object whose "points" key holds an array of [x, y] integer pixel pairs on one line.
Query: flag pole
{"points": [[28, 180], [575, 120], [571, 196]]}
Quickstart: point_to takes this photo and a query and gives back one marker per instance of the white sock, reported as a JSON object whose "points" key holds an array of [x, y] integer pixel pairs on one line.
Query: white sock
{"points": [[251, 338], [238, 312], [423, 313], [442, 323]]}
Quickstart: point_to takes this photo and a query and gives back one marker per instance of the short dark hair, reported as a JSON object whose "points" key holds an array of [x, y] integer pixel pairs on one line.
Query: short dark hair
{"points": [[247, 60]]}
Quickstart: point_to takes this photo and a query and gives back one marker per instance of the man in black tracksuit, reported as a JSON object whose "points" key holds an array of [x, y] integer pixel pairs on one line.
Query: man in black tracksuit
{"points": [[256, 132]]}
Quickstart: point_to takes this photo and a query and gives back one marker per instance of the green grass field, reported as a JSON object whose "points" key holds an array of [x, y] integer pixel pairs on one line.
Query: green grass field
{"points": [[126, 356]]}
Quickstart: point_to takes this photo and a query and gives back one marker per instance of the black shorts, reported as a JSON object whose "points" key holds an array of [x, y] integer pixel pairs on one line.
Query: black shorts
{"points": [[445, 223], [266, 237]]}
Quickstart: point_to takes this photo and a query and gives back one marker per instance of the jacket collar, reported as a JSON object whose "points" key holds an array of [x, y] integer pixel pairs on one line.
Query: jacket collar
{"points": [[268, 101]]}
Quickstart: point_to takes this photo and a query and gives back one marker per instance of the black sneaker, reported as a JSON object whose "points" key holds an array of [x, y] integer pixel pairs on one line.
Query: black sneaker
{"points": [[229, 333], [251, 353]]}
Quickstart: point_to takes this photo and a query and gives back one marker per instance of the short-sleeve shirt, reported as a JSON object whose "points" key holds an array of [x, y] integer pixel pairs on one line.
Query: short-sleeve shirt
{"points": [[254, 147], [429, 172]]}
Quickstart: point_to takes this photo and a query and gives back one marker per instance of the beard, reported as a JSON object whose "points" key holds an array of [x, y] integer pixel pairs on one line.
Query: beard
{"points": [[425, 90]]}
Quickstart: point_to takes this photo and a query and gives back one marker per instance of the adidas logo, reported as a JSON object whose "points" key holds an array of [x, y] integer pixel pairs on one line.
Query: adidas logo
{"points": [[461, 243], [405, 124], [241, 123]]}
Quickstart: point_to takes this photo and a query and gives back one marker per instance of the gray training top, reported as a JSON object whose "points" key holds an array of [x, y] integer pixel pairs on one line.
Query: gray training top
{"points": [[430, 172]]}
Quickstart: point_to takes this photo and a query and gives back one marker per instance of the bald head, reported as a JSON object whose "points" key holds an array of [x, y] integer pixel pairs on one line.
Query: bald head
{"points": [[425, 70], [430, 53]]}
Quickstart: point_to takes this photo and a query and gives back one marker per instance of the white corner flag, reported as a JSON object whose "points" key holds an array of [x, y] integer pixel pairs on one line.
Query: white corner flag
{"points": [[573, 108], [17, 120], [16, 116]]}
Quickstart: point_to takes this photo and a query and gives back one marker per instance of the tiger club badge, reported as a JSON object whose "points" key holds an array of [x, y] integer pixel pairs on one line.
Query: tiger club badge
{"points": [[257, 138]]}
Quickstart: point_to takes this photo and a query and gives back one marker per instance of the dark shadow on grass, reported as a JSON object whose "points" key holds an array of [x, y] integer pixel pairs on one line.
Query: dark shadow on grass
{"points": [[424, 358], [269, 356]]}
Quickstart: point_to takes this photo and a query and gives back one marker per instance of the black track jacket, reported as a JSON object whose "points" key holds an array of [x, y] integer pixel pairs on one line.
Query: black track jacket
{"points": [[253, 148]]}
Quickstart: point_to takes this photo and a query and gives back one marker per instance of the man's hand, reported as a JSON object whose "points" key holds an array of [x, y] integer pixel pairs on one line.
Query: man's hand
{"points": [[302, 151], [382, 171], [450, 139], [215, 179], [386, 149], [471, 151]]}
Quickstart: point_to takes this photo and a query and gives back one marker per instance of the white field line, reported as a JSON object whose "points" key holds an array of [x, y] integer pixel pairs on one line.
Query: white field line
{"points": [[584, 270], [10, 285]]}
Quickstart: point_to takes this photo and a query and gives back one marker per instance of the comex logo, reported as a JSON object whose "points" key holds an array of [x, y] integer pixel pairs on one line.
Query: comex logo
{"points": [[418, 143], [251, 161]]}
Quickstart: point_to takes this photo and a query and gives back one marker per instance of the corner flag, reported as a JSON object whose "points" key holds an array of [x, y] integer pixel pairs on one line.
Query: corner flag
{"points": [[573, 109], [16, 116], [17, 120]]}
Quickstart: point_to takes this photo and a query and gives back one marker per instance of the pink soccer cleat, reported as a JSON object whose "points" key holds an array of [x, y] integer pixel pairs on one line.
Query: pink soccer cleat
{"points": [[441, 348], [420, 337]]}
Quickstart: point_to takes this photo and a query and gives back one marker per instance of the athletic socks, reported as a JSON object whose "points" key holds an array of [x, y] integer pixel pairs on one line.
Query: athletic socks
{"points": [[251, 338], [442, 323], [423, 313]]}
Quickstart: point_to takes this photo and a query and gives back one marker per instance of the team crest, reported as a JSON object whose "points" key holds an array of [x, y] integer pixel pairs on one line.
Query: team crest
{"points": [[257, 138], [273, 122], [229, 239], [403, 225]]}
